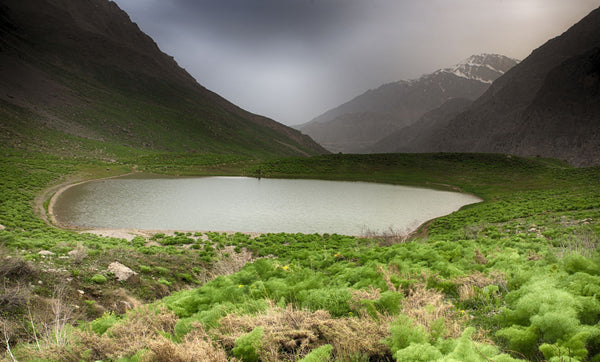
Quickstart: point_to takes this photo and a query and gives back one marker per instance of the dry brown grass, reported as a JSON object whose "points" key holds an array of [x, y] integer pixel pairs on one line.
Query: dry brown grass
{"points": [[79, 253], [49, 328], [389, 237], [386, 273], [290, 333], [358, 336], [142, 326], [196, 346], [230, 262], [480, 258], [467, 283], [425, 306], [16, 268]]}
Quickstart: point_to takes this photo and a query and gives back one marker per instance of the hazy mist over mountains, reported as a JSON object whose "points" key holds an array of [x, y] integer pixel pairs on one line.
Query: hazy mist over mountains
{"points": [[79, 76], [548, 105], [361, 122], [293, 60]]}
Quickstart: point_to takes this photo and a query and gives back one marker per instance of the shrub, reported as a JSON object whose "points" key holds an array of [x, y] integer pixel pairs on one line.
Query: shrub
{"points": [[404, 332], [320, 354], [418, 352], [99, 279], [520, 339], [163, 281], [138, 241], [248, 345], [577, 263], [333, 300], [185, 277], [100, 325], [162, 270], [16, 268]]}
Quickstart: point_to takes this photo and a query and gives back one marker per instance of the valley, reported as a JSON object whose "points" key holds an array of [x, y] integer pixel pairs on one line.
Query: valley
{"points": [[537, 228], [86, 95]]}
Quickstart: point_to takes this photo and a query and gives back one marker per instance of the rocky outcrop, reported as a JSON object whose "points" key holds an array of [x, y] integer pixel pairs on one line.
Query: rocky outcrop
{"points": [[122, 273]]}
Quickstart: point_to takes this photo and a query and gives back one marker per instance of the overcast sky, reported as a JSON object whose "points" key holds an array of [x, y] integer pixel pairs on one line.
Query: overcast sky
{"points": [[291, 60]]}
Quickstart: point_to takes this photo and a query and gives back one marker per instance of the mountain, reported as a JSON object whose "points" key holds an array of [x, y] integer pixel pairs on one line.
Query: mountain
{"points": [[548, 105], [377, 113], [403, 140], [80, 77]]}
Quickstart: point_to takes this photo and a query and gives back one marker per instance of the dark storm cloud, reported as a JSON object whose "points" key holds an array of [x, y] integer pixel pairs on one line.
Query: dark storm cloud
{"points": [[293, 59]]}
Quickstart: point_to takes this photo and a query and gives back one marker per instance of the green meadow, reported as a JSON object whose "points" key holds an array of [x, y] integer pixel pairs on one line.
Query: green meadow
{"points": [[515, 277]]}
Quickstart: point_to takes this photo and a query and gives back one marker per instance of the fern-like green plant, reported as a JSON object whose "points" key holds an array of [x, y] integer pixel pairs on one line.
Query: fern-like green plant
{"points": [[321, 354], [248, 345]]}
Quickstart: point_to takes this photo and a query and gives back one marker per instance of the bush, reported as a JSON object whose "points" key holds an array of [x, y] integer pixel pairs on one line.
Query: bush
{"points": [[99, 279], [100, 325], [418, 352], [16, 269], [247, 346], [138, 241], [404, 332], [163, 281], [320, 354]]}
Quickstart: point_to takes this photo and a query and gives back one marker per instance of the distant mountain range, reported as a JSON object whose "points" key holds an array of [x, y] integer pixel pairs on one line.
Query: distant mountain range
{"points": [[78, 77], [548, 105], [359, 124]]}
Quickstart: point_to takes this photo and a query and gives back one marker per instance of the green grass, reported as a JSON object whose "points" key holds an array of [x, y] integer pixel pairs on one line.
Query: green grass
{"points": [[518, 274]]}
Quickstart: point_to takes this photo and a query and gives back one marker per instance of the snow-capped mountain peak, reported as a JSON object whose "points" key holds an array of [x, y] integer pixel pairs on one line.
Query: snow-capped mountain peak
{"points": [[483, 67]]}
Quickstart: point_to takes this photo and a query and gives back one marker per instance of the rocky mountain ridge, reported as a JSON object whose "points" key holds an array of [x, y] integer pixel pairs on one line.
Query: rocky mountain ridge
{"points": [[375, 114], [482, 67], [548, 105]]}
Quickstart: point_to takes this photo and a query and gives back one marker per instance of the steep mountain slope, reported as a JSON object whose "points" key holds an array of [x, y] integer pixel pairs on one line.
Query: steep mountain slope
{"points": [[79, 76], [404, 139], [548, 105], [377, 113]]}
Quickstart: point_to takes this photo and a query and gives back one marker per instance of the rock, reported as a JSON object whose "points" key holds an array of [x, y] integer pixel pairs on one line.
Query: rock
{"points": [[45, 253], [2, 227], [121, 272]]}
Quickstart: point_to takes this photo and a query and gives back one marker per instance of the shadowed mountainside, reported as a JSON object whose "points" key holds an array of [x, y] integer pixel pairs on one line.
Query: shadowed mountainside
{"points": [[80, 77], [548, 105], [358, 124]]}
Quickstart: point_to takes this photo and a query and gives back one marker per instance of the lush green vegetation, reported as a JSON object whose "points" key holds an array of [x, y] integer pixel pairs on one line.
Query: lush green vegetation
{"points": [[514, 277]]}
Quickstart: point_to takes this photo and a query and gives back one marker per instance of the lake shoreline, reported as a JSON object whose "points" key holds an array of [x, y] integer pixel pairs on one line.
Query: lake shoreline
{"points": [[129, 233], [51, 193]]}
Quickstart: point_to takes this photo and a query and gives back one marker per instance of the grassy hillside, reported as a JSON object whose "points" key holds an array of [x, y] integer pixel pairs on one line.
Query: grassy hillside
{"points": [[514, 277], [80, 79]]}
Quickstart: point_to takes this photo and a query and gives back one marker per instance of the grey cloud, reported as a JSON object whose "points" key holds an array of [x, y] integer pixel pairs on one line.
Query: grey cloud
{"points": [[293, 59]]}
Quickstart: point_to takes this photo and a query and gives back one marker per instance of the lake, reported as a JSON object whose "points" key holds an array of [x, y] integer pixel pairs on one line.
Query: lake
{"points": [[251, 205]]}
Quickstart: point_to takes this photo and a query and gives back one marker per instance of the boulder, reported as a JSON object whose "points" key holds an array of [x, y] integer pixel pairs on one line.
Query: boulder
{"points": [[121, 272]]}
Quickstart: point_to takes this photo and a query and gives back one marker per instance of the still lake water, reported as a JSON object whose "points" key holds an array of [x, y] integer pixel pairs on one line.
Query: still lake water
{"points": [[252, 205]]}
